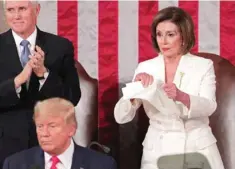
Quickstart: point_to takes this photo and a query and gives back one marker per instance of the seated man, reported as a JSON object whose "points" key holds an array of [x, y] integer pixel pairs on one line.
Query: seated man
{"points": [[55, 125]]}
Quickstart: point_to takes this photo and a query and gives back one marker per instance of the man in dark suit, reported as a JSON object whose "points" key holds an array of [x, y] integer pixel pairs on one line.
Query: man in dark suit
{"points": [[55, 125], [34, 66]]}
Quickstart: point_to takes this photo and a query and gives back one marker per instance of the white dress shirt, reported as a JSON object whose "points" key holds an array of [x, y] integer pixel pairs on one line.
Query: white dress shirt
{"points": [[31, 39], [32, 44], [65, 158]]}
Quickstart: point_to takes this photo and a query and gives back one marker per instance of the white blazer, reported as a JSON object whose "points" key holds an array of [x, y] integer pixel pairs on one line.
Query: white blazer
{"points": [[194, 76]]}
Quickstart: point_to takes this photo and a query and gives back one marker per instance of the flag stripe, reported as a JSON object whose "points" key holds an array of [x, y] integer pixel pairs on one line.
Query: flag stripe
{"points": [[147, 11], [227, 30], [164, 4], [113, 36], [68, 27], [128, 60], [208, 32], [48, 16], [127, 40], [190, 6], [108, 68], [88, 36]]}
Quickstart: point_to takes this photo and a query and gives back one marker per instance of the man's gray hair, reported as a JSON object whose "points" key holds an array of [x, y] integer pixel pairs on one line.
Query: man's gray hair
{"points": [[34, 2]]}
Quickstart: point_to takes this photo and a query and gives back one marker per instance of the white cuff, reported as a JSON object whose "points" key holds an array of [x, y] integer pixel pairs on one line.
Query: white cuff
{"points": [[18, 90], [42, 81]]}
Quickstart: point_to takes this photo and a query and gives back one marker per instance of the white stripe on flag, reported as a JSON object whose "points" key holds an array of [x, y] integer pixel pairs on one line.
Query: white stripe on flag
{"points": [[209, 27], [47, 20], [164, 4], [127, 40], [88, 36]]}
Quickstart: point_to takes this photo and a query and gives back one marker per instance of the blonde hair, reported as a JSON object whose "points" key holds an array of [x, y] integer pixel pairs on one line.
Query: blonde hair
{"points": [[56, 107]]}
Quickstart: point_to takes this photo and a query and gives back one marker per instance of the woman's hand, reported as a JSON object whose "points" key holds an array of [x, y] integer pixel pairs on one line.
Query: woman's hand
{"points": [[171, 90], [145, 79], [177, 95]]}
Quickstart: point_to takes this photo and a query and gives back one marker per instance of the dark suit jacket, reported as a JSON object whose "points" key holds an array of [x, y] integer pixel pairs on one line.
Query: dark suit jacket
{"points": [[83, 158], [17, 131]]}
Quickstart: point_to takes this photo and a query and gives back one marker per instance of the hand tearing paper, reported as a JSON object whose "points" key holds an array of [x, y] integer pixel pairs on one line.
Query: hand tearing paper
{"points": [[153, 94]]}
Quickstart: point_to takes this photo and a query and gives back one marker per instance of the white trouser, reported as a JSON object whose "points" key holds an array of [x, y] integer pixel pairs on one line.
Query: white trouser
{"points": [[171, 150]]}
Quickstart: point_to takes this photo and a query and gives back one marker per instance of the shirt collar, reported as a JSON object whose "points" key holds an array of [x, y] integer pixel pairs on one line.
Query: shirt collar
{"points": [[31, 38], [65, 158]]}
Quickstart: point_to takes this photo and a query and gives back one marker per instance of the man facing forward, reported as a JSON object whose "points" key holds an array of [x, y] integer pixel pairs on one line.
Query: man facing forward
{"points": [[34, 65], [55, 125]]}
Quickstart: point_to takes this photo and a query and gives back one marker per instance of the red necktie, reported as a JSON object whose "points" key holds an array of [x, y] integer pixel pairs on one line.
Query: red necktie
{"points": [[55, 161]]}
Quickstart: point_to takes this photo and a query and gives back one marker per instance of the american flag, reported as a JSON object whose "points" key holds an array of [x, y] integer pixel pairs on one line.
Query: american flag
{"points": [[111, 37]]}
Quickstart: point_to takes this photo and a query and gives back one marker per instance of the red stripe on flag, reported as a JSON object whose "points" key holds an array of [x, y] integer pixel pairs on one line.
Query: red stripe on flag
{"points": [[147, 11], [227, 30], [68, 22], [192, 8], [108, 69]]}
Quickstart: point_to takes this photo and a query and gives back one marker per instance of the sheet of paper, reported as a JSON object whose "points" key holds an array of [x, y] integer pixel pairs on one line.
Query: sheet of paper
{"points": [[154, 94]]}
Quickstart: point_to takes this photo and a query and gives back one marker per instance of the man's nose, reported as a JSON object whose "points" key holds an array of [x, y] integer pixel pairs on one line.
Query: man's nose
{"points": [[17, 15], [44, 132]]}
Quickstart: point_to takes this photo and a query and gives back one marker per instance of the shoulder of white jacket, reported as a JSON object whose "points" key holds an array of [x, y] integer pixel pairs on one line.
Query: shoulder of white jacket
{"points": [[199, 60]]}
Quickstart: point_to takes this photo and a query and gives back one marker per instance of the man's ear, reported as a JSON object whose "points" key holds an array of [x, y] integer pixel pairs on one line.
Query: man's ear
{"points": [[38, 8], [72, 130]]}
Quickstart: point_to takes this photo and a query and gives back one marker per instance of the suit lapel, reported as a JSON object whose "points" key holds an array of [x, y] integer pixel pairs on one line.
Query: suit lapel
{"points": [[38, 159], [161, 68], [41, 160], [34, 83], [78, 158], [181, 78], [40, 40], [12, 54]]}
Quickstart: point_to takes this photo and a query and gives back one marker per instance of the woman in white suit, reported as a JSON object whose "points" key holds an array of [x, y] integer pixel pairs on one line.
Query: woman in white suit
{"points": [[190, 81]]}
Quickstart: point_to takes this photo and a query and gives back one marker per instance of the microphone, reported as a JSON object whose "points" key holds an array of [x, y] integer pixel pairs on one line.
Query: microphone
{"points": [[103, 147]]}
